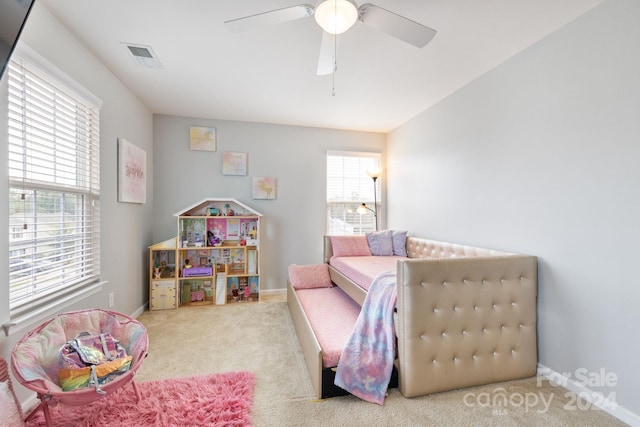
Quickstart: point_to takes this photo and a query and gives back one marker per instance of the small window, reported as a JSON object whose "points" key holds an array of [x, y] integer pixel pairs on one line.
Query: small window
{"points": [[348, 186], [54, 191]]}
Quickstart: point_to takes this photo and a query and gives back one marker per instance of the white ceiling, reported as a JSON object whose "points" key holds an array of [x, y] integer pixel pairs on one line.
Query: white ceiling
{"points": [[269, 75]]}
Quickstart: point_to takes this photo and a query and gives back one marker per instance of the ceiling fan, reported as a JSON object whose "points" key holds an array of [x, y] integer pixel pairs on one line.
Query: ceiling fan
{"points": [[335, 17]]}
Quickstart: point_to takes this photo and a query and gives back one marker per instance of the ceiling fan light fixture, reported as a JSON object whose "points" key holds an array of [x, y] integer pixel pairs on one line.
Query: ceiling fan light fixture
{"points": [[336, 16]]}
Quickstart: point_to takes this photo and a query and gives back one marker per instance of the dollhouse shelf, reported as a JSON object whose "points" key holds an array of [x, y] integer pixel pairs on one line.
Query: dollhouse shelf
{"points": [[216, 254], [162, 275]]}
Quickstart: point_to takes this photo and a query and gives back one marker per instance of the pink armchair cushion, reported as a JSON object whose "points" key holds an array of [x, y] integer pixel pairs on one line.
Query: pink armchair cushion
{"points": [[309, 276], [350, 246]]}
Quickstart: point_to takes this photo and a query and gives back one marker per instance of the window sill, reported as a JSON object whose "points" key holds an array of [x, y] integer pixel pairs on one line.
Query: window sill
{"points": [[47, 311]]}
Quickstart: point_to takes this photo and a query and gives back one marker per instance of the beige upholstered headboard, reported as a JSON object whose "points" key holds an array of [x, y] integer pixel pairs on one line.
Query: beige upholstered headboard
{"points": [[327, 252], [465, 321], [418, 247]]}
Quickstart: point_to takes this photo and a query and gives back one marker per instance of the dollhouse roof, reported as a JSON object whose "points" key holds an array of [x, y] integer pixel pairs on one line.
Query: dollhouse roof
{"points": [[200, 207], [167, 244]]}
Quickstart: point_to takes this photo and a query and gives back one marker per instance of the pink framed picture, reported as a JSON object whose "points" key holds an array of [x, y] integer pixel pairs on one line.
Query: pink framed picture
{"points": [[132, 173], [264, 187], [234, 163]]}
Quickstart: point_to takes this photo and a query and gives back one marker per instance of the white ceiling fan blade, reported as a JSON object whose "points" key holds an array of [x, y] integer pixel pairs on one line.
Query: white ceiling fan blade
{"points": [[269, 18], [327, 61], [395, 25]]}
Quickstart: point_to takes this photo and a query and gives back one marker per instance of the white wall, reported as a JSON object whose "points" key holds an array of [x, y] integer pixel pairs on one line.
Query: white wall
{"points": [[293, 224], [126, 228], [541, 156]]}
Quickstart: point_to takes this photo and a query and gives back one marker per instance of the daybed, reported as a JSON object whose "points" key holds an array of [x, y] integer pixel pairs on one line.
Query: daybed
{"points": [[465, 316]]}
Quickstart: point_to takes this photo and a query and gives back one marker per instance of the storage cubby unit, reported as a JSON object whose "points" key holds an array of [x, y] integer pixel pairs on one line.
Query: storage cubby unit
{"points": [[218, 253], [162, 275]]}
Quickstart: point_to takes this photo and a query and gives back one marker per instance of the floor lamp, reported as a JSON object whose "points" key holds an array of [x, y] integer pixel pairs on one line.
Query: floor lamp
{"points": [[374, 173]]}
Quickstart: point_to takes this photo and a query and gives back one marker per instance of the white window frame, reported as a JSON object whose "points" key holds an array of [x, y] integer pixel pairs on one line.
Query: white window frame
{"points": [[348, 186], [54, 152]]}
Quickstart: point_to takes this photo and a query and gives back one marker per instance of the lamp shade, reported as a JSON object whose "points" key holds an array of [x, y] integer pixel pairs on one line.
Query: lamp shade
{"points": [[362, 209], [336, 16], [374, 172]]}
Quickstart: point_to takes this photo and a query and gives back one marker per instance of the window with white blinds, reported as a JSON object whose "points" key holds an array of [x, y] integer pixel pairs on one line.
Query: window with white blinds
{"points": [[54, 194], [348, 186]]}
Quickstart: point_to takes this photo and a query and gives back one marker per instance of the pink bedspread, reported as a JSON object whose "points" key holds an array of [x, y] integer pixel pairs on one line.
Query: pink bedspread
{"points": [[363, 269], [332, 315]]}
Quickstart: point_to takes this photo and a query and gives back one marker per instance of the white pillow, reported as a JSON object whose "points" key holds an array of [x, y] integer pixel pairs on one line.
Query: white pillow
{"points": [[11, 417]]}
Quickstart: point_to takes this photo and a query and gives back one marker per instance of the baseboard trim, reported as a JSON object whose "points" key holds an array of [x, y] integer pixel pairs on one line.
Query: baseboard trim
{"points": [[140, 310], [595, 398], [273, 292]]}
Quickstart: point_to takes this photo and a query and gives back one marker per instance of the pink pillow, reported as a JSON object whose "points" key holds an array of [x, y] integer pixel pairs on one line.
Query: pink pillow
{"points": [[350, 246], [309, 276]]}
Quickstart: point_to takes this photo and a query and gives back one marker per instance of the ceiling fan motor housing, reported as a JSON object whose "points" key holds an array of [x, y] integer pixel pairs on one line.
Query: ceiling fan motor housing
{"points": [[336, 16]]}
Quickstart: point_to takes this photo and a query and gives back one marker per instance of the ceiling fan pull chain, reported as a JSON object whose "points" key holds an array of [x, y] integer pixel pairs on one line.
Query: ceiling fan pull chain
{"points": [[335, 51], [335, 65]]}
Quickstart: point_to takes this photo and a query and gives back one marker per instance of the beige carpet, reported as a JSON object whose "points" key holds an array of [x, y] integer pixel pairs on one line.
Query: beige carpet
{"points": [[259, 337]]}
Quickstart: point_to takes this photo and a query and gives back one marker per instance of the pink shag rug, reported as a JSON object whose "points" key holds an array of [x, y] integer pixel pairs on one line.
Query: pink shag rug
{"points": [[222, 399]]}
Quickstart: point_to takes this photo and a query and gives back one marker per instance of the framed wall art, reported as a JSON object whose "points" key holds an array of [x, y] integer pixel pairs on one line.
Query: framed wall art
{"points": [[264, 187], [202, 138], [132, 173], [234, 163]]}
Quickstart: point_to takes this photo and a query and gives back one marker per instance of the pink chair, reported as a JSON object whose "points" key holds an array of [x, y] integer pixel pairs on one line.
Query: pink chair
{"points": [[35, 358]]}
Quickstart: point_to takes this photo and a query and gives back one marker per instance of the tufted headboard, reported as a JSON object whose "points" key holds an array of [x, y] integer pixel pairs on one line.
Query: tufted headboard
{"points": [[463, 322], [423, 248], [418, 247]]}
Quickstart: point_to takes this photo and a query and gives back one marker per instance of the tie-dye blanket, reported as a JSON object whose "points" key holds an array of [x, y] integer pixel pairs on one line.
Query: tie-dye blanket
{"points": [[366, 362]]}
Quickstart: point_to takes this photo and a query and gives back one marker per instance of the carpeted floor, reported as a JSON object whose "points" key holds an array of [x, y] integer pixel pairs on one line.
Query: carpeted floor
{"points": [[259, 337]]}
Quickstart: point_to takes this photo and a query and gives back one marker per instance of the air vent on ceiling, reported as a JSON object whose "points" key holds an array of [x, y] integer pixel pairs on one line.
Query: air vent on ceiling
{"points": [[143, 55]]}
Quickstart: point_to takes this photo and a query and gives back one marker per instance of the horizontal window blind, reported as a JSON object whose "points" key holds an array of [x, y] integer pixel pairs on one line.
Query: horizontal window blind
{"points": [[54, 194], [348, 186]]}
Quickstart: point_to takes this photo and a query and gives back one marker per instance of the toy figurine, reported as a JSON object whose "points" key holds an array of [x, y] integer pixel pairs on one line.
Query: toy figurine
{"points": [[227, 210], [253, 234], [157, 272], [187, 264], [234, 293], [213, 238], [247, 292]]}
